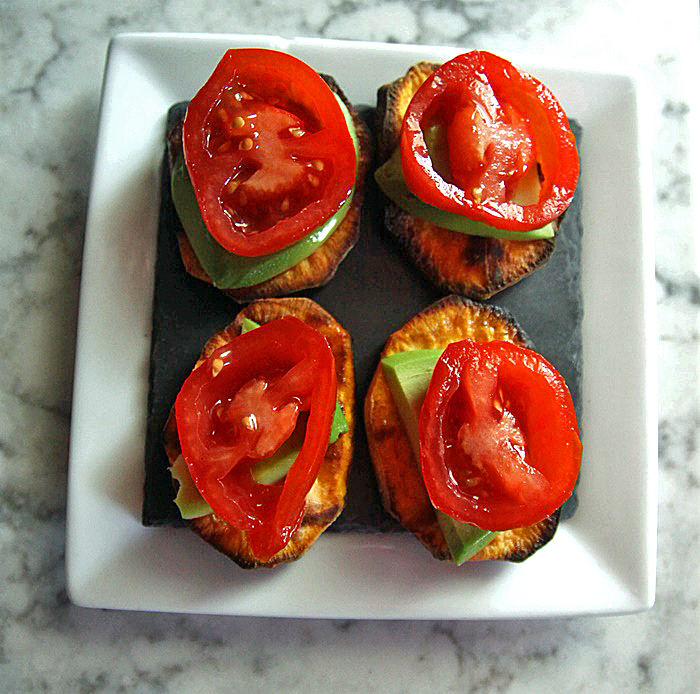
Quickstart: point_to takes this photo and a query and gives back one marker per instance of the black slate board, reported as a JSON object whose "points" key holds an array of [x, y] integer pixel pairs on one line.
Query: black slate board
{"points": [[375, 291]]}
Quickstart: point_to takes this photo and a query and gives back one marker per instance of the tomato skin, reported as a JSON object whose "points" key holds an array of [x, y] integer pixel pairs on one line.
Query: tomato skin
{"points": [[238, 406], [522, 122], [500, 446], [268, 151]]}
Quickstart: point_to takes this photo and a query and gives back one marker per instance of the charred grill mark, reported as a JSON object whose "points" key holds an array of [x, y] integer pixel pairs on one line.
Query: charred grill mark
{"points": [[386, 433], [316, 321], [475, 251], [321, 518], [494, 256], [546, 530]]}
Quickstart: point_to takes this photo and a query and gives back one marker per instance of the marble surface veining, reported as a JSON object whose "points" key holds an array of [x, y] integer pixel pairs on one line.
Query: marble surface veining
{"points": [[51, 59]]}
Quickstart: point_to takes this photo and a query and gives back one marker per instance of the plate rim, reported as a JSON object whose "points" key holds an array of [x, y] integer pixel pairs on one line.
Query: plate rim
{"points": [[83, 593]]}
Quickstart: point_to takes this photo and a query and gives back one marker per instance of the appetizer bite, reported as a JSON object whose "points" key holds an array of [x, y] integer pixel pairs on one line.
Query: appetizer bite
{"points": [[473, 436], [478, 164], [267, 176], [260, 437]]}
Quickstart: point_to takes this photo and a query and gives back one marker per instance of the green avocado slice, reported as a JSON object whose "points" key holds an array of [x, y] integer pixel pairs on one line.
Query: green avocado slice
{"points": [[390, 179], [188, 500], [274, 469], [229, 271], [269, 471], [408, 375]]}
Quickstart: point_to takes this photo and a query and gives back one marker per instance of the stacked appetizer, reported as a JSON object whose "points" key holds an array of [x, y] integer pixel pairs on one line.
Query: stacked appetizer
{"points": [[473, 435], [260, 437], [478, 165], [267, 175]]}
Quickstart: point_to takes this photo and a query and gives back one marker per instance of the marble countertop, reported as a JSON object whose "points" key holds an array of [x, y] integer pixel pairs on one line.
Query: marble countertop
{"points": [[51, 57]]}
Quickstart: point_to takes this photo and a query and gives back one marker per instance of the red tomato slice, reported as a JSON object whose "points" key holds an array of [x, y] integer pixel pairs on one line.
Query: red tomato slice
{"points": [[239, 406], [268, 150], [499, 440], [502, 127]]}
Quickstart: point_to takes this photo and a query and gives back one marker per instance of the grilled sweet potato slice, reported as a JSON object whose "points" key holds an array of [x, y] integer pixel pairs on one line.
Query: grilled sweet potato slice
{"points": [[398, 473], [474, 266], [318, 268], [326, 499]]}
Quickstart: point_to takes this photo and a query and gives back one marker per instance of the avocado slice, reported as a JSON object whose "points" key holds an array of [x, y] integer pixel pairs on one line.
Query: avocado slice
{"points": [[188, 500], [247, 325], [463, 540], [273, 469], [390, 179], [229, 271], [408, 375]]}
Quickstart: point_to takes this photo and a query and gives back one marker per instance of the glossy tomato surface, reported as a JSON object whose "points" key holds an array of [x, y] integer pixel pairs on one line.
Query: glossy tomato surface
{"points": [[268, 151], [239, 406], [509, 156], [500, 447]]}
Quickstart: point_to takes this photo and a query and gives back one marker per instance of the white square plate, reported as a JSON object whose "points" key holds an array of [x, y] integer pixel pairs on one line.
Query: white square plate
{"points": [[601, 561]]}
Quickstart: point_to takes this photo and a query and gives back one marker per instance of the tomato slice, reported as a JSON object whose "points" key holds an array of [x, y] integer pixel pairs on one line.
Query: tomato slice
{"points": [[239, 406], [499, 441], [503, 130], [268, 150]]}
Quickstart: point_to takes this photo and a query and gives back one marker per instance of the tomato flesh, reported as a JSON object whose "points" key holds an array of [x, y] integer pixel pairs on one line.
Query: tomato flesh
{"points": [[239, 406], [499, 440], [502, 127], [488, 157], [268, 151]]}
